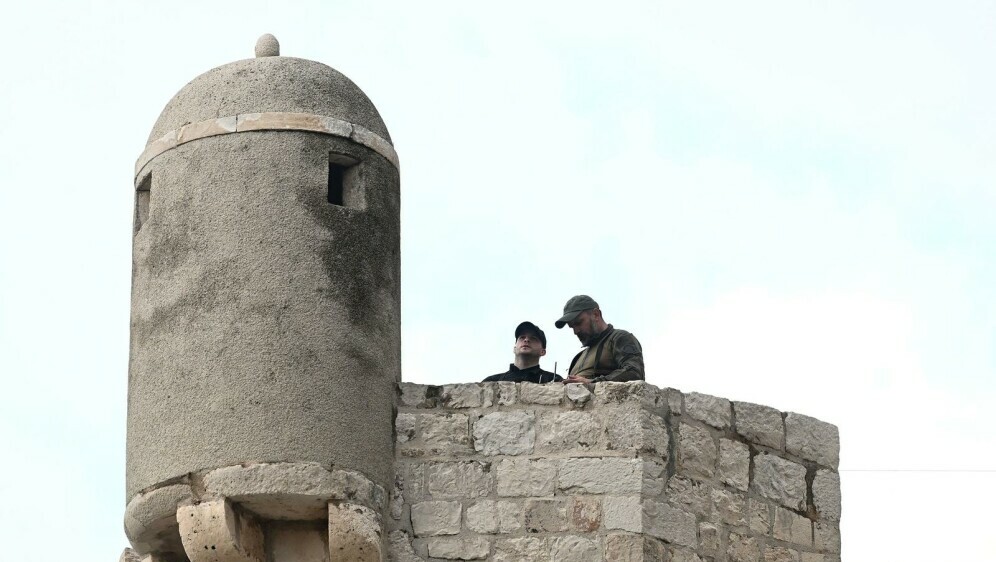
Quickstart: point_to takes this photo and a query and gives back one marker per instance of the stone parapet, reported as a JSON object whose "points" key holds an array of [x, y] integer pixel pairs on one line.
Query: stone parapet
{"points": [[612, 471]]}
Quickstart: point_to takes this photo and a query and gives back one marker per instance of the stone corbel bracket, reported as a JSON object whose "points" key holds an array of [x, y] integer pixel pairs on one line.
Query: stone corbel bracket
{"points": [[350, 502], [267, 121]]}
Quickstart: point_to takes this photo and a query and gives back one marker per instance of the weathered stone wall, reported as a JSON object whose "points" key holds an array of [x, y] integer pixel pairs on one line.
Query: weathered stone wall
{"points": [[616, 471]]}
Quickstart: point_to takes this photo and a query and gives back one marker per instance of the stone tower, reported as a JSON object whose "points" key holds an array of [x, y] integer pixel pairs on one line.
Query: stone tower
{"points": [[265, 323]]}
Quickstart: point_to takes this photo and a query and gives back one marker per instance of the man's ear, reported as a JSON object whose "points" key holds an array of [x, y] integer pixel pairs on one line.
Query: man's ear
{"points": [[542, 352]]}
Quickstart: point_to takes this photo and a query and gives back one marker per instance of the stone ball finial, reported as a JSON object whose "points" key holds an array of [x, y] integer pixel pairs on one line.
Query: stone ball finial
{"points": [[267, 46]]}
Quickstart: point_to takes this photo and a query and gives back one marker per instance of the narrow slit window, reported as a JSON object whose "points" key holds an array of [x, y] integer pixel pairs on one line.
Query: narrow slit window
{"points": [[142, 196], [344, 185]]}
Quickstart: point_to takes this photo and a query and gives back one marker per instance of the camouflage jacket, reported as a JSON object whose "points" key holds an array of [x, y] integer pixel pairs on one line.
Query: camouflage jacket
{"points": [[615, 356]]}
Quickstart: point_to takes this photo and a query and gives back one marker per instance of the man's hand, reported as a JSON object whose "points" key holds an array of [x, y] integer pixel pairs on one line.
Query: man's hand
{"points": [[576, 378]]}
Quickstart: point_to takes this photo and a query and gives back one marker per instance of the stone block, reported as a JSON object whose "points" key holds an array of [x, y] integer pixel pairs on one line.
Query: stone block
{"points": [[400, 546], [470, 479], [548, 394], [434, 518], [709, 539], [617, 476], [545, 516], [572, 548], [418, 395], [466, 396], [734, 464], [708, 409], [812, 439], [505, 433], [759, 516], [674, 399], [215, 530], [730, 507], [779, 554], [826, 536], [491, 517], [129, 555], [740, 548], [410, 478], [522, 548], [636, 393], [578, 394], [584, 514], [654, 478], [508, 393], [826, 494], [690, 495], [567, 432], [760, 424], [459, 548], [355, 533], [404, 427], [622, 547], [697, 451], [639, 430], [670, 524], [780, 480], [792, 527], [685, 555], [151, 513], [623, 513], [526, 478], [812, 557], [445, 431]]}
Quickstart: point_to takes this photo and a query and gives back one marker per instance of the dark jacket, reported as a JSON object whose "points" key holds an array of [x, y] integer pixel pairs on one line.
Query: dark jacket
{"points": [[615, 356], [531, 374]]}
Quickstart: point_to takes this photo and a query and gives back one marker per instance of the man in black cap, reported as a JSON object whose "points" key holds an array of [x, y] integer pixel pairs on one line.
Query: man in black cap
{"points": [[610, 354], [530, 345]]}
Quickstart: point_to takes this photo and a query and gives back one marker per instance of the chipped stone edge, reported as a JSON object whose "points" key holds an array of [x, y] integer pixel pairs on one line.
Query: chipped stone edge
{"points": [[267, 121]]}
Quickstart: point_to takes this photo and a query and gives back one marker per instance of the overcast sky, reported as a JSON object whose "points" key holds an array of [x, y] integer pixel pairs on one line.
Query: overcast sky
{"points": [[789, 203]]}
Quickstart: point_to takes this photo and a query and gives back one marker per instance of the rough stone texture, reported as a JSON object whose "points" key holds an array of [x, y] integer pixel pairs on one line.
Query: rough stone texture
{"points": [[505, 433], [685, 555], [416, 396], [792, 527], [623, 513], [150, 516], [780, 554], [214, 531], [709, 538], [578, 394], [491, 517], [568, 431], [572, 548], [734, 464], [546, 516], [550, 394], [463, 548], [600, 476], [672, 525], [355, 534], [780, 480], [621, 547], [759, 516], [469, 479], [584, 514], [691, 495], [301, 541], [708, 409], [445, 431], [524, 477], [521, 549], [730, 507], [640, 430], [433, 518], [697, 451], [129, 555], [508, 393], [826, 536], [760, 424], [740, 548], [466, 395], [826, 494], [401, 548], [812, 439], [404, 427]]}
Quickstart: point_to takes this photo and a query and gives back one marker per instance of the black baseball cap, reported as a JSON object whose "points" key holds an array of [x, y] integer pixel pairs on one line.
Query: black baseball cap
{"points": [[530, 328], [575, 306]]}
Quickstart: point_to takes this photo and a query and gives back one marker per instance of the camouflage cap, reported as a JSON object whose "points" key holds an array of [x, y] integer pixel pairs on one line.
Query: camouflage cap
{"points": [[529, 327], [576, 305]]}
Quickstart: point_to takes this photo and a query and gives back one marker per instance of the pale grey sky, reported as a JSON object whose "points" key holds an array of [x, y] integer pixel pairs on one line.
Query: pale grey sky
{"points": [[792, 204]]}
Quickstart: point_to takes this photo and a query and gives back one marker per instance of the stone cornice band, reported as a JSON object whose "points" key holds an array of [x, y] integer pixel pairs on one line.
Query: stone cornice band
{"points": [[269, 121]]}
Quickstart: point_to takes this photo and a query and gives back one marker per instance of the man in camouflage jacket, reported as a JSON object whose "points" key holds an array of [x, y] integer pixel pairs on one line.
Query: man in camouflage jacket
{"points": [[610, 354]]}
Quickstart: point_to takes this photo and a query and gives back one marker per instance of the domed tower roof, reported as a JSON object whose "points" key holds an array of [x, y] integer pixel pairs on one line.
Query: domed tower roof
{"points": [[269, 83], [268, 92]]}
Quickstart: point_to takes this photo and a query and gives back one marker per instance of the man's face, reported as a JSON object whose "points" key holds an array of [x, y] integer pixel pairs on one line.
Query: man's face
{"points": [[528, 344], [584, 326]]}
